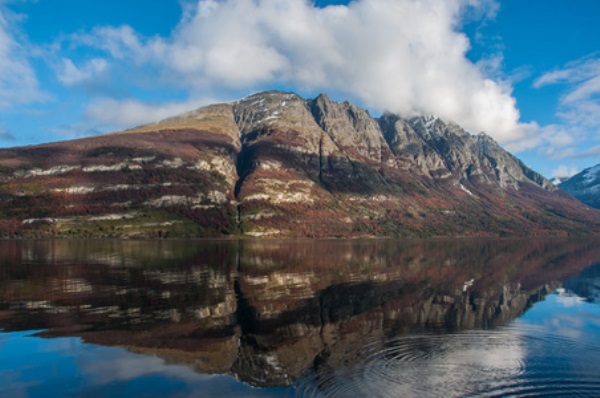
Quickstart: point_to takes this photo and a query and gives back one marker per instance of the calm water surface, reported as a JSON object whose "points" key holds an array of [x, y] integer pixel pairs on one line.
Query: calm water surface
{"points": [[378, 318]]}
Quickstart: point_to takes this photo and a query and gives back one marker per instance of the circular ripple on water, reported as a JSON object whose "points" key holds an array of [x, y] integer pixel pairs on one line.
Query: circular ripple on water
{"points": [[504, 362]]}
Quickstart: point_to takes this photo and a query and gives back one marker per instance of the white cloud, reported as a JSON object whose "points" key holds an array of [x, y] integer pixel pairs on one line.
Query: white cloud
{"points": [[574, 72], [118, 115], [406, 56], [70, 75], [552, 140], [120, 42], [105, 115], [564, 171], [579, 107], [18, 82]]}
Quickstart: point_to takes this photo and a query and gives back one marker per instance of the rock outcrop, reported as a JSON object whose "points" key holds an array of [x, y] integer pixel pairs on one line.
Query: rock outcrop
{"points": [[274, 164]]}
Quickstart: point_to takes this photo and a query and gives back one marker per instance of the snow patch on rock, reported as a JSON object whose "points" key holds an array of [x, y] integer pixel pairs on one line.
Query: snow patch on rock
{"points": [[592, 174]]}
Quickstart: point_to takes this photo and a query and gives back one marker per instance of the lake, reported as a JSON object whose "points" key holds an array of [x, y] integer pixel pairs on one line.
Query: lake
{"points": [[372, 318]]}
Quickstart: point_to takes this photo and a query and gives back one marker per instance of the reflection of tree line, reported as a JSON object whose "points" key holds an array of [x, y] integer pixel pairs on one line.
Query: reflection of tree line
{"points": [[290, 304]]}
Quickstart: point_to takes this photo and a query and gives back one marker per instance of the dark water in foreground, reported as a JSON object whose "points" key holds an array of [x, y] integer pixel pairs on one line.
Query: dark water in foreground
{"points": [[300, 318]]}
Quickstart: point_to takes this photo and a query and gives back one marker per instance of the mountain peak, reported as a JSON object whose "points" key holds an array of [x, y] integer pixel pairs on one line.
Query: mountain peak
{"points": [[323, 97], [425, 119], [269, 95]]}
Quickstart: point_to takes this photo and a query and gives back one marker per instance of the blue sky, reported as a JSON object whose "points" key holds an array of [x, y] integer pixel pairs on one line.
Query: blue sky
{"points": [[525, 72]]}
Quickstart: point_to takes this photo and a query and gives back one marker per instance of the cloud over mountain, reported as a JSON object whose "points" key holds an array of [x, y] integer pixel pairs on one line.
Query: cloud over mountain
{"points": [[406, 56]]}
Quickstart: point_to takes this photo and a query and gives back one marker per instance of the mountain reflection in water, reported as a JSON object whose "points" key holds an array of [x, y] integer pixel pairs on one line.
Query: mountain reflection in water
{"points": [[379, 317]]}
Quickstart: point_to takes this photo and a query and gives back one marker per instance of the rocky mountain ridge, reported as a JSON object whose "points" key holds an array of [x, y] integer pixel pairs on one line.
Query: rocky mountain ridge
{"points": [[584, 186], [274, 164]]}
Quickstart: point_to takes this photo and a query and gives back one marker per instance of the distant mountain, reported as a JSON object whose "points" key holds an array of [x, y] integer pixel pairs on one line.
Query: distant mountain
{"points": [[274, 164], [584, 186]]}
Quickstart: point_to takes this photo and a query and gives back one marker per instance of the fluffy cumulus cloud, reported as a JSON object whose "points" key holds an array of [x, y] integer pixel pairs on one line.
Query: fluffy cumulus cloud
{"points": [[18, 82], [405, 56]]}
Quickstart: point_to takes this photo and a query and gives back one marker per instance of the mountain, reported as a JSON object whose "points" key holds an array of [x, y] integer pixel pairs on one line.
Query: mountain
{"points": [[584, 186], [274, 164]]}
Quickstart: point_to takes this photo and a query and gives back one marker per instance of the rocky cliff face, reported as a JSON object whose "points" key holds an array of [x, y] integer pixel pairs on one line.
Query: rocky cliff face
{"points": [[274, 164], [584, 186]]}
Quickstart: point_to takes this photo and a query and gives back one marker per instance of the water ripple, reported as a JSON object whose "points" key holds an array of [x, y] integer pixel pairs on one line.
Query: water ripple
{"points": [[516, 361]]}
